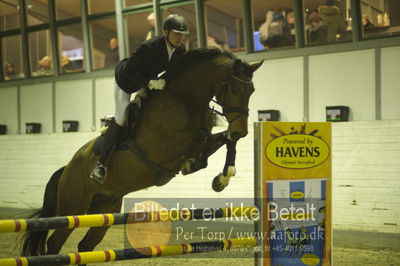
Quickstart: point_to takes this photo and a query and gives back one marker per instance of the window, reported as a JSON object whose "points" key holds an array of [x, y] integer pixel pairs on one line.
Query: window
{"points": [[273, 24], [104, 43], [99, 6], [37, 11], [136, 2], [380, 18], [12, 61], [327, 21], [224, 24], [71, 48], [41, 59], [188, 11], [66, 9], [9, 15]]}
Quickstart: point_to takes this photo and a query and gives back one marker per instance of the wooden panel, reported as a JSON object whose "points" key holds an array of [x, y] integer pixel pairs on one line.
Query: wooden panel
{"points": [[74, 102], [37, 106], [342, 79], [104, 93], [9, 109]]}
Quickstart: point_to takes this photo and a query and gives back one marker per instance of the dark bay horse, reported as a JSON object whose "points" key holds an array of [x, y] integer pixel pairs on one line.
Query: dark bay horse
{"points": [[174, 128]]}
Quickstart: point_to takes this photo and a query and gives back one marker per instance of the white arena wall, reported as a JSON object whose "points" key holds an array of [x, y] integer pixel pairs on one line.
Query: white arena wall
{"points": [[366, 173]]}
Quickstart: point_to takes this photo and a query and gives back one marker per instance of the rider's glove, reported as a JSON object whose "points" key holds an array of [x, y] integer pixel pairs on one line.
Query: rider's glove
{"points": [[156, 84], [140, 95]]}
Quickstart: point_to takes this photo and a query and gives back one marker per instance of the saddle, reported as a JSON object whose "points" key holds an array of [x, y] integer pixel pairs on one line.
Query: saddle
{"points": [[128, 132], [127, 142]]}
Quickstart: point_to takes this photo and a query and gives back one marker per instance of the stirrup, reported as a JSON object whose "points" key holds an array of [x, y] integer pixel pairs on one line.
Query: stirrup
{"points": [[99, 173]]}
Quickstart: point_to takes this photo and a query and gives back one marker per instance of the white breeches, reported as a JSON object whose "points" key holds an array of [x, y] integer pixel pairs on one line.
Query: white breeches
{"points": [[122, 100]]}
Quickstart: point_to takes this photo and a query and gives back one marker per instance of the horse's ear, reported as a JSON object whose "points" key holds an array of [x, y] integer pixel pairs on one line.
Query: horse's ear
{"points": [[255, 66]]}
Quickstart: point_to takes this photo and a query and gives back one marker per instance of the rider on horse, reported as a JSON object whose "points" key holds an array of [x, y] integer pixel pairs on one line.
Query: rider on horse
{"points": [[141, 70]]}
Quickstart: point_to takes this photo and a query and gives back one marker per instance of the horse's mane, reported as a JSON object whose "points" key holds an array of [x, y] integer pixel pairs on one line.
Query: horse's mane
{"points": [[195, 56]]}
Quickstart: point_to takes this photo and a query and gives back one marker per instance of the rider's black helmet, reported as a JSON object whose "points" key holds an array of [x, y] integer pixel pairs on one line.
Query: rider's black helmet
{"points": [[176, 23]]}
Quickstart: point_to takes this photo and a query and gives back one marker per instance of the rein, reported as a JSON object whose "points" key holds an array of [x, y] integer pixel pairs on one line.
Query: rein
{"points": [[232, 109]]}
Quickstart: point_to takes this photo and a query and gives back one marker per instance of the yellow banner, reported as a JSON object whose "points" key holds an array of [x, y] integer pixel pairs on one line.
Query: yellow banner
{"points": [[296, 183], [296, 150]]}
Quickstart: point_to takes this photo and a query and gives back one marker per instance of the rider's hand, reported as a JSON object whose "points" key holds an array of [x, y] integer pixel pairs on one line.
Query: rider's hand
{"points": [[140, 95], [157, 84]]}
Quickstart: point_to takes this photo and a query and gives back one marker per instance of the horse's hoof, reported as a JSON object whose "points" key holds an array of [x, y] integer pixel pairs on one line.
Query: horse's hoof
{"points": [[216, 184], [187, 166]]}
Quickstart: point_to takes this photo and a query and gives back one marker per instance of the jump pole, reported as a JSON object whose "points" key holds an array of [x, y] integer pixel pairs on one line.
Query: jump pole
{"points": [[100, 220], [130, 254]]}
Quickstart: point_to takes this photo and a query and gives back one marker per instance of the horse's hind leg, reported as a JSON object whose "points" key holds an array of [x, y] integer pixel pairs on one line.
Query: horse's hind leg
{"points": [[56, 240], [66, 206], [71, 201], [96, 234]]}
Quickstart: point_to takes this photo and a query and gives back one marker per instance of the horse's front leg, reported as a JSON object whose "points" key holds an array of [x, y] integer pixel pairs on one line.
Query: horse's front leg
{"points": [[213, 143], [222, 180], [209, 147]]}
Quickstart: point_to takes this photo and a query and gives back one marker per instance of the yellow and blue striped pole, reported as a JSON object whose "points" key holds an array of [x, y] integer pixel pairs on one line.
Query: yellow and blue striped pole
{"points": [[100, 220], [129, 254]]}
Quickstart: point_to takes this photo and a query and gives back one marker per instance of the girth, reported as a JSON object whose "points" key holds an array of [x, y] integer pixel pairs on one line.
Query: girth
{"points": [[142, 156]]}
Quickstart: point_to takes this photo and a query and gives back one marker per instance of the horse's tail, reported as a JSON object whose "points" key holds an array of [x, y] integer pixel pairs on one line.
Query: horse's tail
{"points": [[34, 243]]}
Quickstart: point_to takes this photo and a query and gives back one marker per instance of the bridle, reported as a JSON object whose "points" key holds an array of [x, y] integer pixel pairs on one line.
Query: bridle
{"points": [[231, 109]]}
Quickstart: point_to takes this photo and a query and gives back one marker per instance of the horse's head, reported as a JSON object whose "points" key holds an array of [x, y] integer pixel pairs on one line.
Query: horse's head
{"points": [[234, 98]]}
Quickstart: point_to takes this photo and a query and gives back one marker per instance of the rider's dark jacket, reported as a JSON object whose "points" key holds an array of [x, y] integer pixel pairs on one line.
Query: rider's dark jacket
{"points": [[148, 60]]}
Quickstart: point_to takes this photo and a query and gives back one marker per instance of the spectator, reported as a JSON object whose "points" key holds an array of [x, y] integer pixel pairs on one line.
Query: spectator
{"points": [[332, 19], [66, 64], [315, 30], [213, 43], [278, 31], [9, 71], [263, 30], [151, 19], [112, 58], [45, 66], [290, 20], [366, 23]]}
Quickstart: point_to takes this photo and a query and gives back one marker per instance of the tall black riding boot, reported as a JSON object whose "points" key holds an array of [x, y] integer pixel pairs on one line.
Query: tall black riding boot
{"points": [[99, 173]]}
